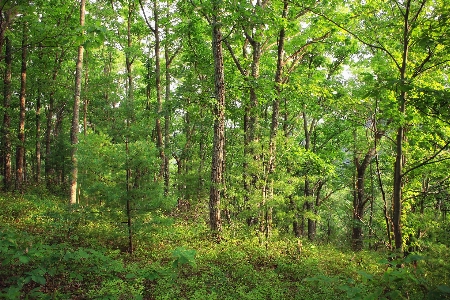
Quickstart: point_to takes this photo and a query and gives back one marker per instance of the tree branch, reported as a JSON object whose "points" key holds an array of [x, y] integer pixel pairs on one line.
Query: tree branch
{"points": [[235, 59], [145, 17], [380, 47], [429, 160]]}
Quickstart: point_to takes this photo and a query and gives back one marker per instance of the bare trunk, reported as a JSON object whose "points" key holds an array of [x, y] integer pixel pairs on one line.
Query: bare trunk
{"points": [[20, 152], [397, 194], [167, 117], [278, 83], [399, 159], [219, 127], [38, 139], [128, 208], [7, 180], [129, 119], [360, 199], [76, 113], [159, 131], [86, 100]]}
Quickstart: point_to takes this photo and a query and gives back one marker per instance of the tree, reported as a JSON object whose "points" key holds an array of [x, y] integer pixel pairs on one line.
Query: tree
{"points": [[20, 154], [6, 134], [76, 112], [217, 166], [420, 49]]}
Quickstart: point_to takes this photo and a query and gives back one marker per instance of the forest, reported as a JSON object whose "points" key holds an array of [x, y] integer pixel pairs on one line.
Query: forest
{"points": [[224, 149]]}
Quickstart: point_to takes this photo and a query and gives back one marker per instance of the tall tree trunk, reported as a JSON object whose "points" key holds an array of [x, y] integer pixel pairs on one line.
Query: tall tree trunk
{"points": [[38, 139], [49, 167], [399, 158], [167, 112], [159, 131], [129, 119], [219, 126], [86, 100], [76, 113], [278, 83], [6, 134], [308, 193], [397, 193], [20, 151]]}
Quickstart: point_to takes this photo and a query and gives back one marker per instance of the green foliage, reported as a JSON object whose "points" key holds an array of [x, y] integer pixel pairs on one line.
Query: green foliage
{"points": [[42, 258]]}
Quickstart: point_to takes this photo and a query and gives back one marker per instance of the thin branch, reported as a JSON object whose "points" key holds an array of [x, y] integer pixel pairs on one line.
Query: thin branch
{"points": [[381, 47], [433, 66], [422, 5], [420, 68], [296, 56], [171, 58], [235, 59], [429, 160], [146, 19]]}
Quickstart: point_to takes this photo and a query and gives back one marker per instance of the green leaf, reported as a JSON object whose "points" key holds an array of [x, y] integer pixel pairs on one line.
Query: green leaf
{"points": [[365, 275], [24, 259], [444, 289], [183, 256], [38, 279]]}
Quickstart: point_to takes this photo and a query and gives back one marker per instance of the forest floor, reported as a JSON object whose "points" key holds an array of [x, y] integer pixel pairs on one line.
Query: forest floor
{"points": [[49, 252]]}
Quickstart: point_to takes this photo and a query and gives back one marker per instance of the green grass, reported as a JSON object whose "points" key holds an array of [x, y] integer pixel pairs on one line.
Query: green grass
{"points": [[49, 252]]}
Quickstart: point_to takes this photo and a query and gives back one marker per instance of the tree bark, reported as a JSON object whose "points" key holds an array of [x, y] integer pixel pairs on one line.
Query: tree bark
{"points": [[360, 199], [219, 127], [38, 139], [76, 113], [20, 151], [278, 83], [7, 178], [159, 131], [167, 113], [399, 159]]}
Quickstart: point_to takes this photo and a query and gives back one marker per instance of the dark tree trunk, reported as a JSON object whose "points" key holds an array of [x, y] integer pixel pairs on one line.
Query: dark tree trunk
{"points": [[360, 199], [38, 139], [20, 151], [159, 110], [219, 127], [6, 134], [278, 83]]}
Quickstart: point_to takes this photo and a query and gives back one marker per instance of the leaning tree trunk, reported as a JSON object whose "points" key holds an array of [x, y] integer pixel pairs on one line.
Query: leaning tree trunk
{"points": [[219, 127], [76, 113]]}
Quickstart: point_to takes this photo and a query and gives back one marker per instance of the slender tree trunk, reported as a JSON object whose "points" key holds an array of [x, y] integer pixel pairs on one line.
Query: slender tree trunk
{"points": [[397, 193], [20, 152], [49, 165], [399, 158], [308, 193], [159, 131], [278, 83], [219, 126], [129, 119], [38, 139], [76, 113], [167, 113], [128, 183], [7, 169], [86, 100]]}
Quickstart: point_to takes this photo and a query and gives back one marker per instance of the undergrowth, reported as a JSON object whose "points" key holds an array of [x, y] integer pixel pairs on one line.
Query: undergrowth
{"points": [[49, 252]]}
